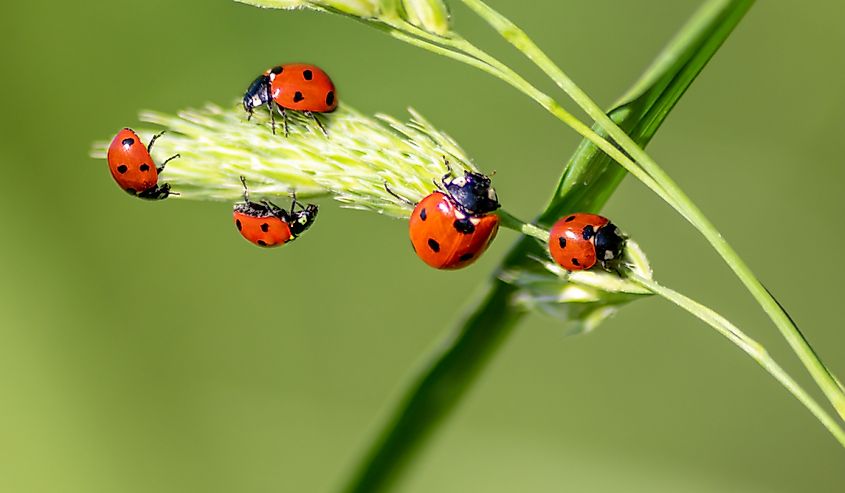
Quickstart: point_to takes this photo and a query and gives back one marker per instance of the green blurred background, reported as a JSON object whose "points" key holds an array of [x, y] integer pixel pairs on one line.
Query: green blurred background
{"points": [[145, 347]]}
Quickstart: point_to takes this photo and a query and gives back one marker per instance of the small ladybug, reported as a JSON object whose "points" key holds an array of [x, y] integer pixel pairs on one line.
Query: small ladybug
{"points": [[578, 241], [452, 227], [132, 166], [294, 86], [268, 225]]}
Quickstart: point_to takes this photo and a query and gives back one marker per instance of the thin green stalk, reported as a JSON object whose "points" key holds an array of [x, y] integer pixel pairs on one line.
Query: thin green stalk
{"points": [[460, 49], [733, 10], [747, 344], [715, 320], [587, 182], [511, 222]]}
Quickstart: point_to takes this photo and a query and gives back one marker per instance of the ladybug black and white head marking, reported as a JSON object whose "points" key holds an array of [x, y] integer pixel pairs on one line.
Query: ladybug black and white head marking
{"points": [[472, 193], [609, 243], [301, 220], [258, 93]]}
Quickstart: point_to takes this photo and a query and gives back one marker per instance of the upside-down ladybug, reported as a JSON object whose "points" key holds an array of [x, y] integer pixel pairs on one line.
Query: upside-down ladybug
{"points": [[267, 225], [578, 241], [453, 226], [133, 168], [294, 86]]}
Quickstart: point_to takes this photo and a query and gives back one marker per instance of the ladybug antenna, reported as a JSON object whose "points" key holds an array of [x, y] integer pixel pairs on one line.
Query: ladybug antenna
{"points": [[246, 190], [491, 175], [448, 166], [403, 199]]}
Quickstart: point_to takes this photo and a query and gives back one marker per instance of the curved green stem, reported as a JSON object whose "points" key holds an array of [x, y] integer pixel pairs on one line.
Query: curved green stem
{"points": [[460, 49], [511, 222], [676, 197], [747, 344]]}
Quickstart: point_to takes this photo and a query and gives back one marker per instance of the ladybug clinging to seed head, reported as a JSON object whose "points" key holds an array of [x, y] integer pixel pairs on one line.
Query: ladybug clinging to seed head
{"points": [[293, 86], [451, 227], [133, 168], [267, 225], [578, 241]]}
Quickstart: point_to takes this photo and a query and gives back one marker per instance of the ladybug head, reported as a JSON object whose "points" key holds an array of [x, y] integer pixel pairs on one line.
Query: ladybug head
{"points": [[302, 220], [257, 94], [609, 243], [473, 193]]}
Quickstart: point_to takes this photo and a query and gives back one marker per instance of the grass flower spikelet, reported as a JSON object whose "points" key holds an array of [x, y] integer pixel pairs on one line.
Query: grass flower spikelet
{"points": [[360, 155]]}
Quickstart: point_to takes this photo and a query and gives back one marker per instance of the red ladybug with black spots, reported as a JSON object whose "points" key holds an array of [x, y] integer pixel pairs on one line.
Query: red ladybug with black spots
{"points": [[133, 168], [268, 225], [453, 226], [293, 86], [578, 241]]}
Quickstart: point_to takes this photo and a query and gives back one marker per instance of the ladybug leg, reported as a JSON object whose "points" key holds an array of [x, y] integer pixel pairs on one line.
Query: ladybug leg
{"points": [[403, 199], [277, 211], [319, 123], [439, 184], [171, 158], [153, 140], [285, 118], [246, 190], [158, 192], [272, 117], [448, 168]]}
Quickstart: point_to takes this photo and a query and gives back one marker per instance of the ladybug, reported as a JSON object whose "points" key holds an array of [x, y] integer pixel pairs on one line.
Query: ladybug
{"points": [[294, 86], [268, 225], [578, 241], [451, 227], [132, 166]]}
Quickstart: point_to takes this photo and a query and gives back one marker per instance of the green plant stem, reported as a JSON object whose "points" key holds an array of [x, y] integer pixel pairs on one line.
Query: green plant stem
{"points": [[509, 221], [747, 344], [586, 184], [734, 10], [440, 384], [462, 50]]}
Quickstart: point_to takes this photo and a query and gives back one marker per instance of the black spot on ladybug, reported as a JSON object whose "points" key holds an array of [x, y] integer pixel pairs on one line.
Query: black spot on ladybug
{"points": [[144, 167], [464, 226], [238, 224], [128, 142], [432, 243], [330, 98], [262, 242], [131, 191], [575, 262], [562, 242], [265, 227], [308, 75], [588, 232], [465, 257], [276, 70], [569, 219], [122, 169], [423, 214], [298, 97]]}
